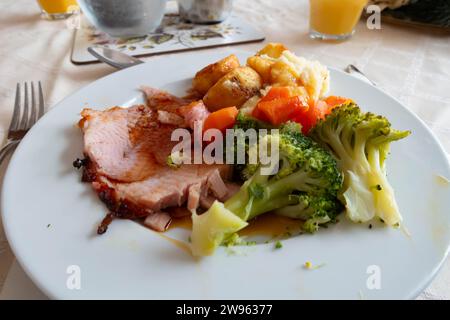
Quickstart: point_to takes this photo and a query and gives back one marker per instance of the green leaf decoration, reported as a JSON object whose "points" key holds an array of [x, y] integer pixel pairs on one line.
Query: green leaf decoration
{"points": [[160, 38], [185, 26], [205, 34], [130, 40]]}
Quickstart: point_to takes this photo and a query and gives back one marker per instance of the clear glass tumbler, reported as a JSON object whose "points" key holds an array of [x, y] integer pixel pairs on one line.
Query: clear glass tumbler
{"points": [[334, 19], [58, 9]]}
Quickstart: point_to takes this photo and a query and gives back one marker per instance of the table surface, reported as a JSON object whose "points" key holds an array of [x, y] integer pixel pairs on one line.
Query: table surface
{"points": [[411, 64]]}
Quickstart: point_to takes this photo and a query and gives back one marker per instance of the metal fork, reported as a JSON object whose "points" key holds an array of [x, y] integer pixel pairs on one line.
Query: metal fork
{"points": [[24, 116], [352, 69]]}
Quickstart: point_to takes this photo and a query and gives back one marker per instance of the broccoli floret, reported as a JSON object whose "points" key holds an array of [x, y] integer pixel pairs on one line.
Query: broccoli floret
{"points": [[360, 142], [314, 210], [304, 167], [246, 121], [247, 171], [291, 128], [307, 173]]}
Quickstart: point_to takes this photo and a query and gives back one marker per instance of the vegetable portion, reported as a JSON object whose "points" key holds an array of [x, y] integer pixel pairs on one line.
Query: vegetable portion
{"points": [[233, 89], [221, 119], [316, 110], [278, 66], [314, 210], [280, 110], [334, 101], [209, 75], [360, 142], [280, 105], [283, 104], [306, 171], [211, 229]]}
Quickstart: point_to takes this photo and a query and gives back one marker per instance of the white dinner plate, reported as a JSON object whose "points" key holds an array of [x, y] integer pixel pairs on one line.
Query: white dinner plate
{"points": [[50, 217]]}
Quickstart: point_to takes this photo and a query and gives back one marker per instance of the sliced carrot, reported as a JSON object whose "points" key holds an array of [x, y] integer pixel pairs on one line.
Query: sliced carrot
{"points": [[334, 101], [258, 114], [315, 111], [322, 108], [221, 119], [277, 92], [279, 105], [318, 110], [308, 119], [274, 93], [281, 110]]}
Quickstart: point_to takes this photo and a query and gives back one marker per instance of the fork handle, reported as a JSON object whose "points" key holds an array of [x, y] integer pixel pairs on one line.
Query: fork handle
{"points": [[10, 146]]}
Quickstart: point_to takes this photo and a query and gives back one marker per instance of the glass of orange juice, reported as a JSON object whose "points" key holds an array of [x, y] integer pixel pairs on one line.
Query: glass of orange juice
{"points": [[58, 9], [334, 19]]}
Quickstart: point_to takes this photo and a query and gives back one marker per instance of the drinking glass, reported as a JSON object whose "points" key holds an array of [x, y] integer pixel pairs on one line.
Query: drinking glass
{"points": [[334, 19], [58, 9]]}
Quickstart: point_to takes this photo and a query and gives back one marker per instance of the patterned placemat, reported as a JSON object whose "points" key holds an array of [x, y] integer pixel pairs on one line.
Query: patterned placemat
{"points": [[173, 35]]}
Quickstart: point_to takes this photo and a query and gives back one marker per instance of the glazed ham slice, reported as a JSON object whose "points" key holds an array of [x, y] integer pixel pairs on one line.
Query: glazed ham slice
{"points": [[170, 108], [126, 152], [121, 142], [162, 100], [207, 198], [166, 117], [166, 188], [195, 112], [217, 186], [159, 221], [194, 193], [178, 212]]}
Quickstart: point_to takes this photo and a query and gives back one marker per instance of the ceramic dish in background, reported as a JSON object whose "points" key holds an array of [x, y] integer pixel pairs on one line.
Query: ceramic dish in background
{"points": [[205, 11], [124, 18]]}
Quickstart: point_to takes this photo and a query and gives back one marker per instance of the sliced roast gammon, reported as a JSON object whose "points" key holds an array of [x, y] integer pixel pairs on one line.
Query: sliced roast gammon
{"points": [[126, 152]]}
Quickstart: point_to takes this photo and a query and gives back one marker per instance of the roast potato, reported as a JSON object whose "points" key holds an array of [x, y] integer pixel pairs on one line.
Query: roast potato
{"points": [[262, 66], [233, 89], [273, 50], [263, 61], [283, 75], [209, 75]]}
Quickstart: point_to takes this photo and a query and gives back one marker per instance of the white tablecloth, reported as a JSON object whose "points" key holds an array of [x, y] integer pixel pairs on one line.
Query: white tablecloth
{"points": [[412, 65]]}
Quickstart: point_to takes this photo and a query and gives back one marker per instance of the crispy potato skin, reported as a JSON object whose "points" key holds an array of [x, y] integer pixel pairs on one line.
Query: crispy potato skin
{"points": [[272, 49], [282, 75], [208, 76], [263, 66], [233, 89]]}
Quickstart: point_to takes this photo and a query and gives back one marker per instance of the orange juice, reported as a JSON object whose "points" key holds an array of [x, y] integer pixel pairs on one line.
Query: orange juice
{"points": [[52, 7], [335, 17]]}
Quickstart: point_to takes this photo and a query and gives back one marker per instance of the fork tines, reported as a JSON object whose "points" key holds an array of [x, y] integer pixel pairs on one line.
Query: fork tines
{"points": [[25, 116]]}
